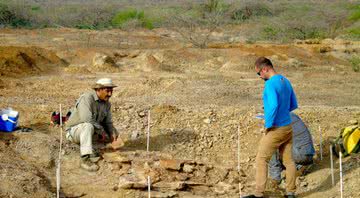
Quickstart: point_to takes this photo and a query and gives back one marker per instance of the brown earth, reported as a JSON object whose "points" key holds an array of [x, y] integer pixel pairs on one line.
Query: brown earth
{"points": [[197, 99], [19, 61]]}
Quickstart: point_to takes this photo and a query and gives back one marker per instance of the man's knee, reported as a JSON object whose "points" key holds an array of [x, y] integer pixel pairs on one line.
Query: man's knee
{"points": [[87, 128]]}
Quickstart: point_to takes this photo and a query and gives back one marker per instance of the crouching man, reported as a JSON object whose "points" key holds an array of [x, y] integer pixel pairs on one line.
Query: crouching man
{"points": [[302, 151], [92, 115]]}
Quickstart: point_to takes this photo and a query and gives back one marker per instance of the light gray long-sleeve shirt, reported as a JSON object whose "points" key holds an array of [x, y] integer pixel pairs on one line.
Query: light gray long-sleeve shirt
{"points": [[90, 109]]}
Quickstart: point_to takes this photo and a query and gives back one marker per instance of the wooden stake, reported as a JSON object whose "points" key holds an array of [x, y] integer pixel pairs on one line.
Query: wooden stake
{"points": [[148, 133], [332, 166], [149, 188], [238, 150], [147, 150], [238, 155], [321, 152], [58, 168], [341, 176]]}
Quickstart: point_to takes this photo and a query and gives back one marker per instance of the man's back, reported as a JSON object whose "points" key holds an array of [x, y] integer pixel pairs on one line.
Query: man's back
{"points": [[303, 147], [279, 101]]}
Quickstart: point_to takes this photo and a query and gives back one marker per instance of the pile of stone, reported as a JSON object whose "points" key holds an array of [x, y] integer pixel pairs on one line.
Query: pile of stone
{"points": [[172, 177]]}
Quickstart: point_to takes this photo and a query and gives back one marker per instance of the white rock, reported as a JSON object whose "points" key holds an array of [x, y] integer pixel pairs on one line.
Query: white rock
{"points": [[188, 168]]}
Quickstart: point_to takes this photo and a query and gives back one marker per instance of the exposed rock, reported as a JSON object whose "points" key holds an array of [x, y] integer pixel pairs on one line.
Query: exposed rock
{"points": [[132, 181], [163, 194], [217, 175], [207, 121], [102, 61], [188, 168], [170, 185], [233, 177], [170, 164], [199, 176], [115, 166], [304, 184], [223, 188], [115, 157], [135, 135], [353, 122], [154, 174], [134, 54], [182, 177]]}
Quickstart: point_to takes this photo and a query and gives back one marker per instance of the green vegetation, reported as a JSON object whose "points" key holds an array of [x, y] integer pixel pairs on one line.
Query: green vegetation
{"points": [[125, 17], [355, 63], [280, 20], [11, 18]]}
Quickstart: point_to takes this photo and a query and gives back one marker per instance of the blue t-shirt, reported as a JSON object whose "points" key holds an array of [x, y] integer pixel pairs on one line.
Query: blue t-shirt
{"points": [[279, 100]]}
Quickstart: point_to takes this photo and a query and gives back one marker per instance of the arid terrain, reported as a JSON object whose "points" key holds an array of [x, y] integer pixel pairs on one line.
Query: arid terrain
{"points": [[197, 98]]}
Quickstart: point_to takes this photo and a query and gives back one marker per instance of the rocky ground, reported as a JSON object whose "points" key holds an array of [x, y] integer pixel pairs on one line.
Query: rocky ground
{"points": [[197, 99]]}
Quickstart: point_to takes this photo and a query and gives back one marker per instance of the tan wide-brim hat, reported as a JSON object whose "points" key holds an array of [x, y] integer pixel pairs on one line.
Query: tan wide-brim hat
{"points": [[103, 83]]}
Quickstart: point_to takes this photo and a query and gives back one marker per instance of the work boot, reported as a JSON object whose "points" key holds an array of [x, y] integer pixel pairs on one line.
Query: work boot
{"points": [[290, 196], [95, 157], [87, 164], [251, 196]]}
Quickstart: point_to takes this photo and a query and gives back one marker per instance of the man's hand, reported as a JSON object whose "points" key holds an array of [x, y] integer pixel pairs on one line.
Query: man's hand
{"points": [[267, 130], [102, 137]]}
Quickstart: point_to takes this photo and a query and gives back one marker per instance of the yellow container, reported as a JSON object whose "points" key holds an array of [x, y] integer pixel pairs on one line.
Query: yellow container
{"points": [[351, 137]]}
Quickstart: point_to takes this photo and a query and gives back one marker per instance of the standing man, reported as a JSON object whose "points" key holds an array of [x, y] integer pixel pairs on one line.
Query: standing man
{"points": [[279, 100], [90, 115]]}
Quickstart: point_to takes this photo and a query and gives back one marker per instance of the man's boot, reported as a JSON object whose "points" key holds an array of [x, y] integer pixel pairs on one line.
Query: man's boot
{"points": [[290, 196], [251, 196], [95, 157], [87, 164]]}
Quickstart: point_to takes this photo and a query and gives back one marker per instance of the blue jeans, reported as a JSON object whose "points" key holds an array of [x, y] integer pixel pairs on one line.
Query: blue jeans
{"points": [[276, 166]]}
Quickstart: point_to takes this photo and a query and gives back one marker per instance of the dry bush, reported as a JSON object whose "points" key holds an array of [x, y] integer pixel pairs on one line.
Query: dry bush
{"points": [[197, 31], [197, 27]]}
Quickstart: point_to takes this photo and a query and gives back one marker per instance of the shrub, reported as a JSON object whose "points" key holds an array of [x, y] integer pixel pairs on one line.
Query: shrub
{"points": [[353, 33], [9, 17], [355, 15], [271, 33], [84, 26], [212, 5], [251, 10], [6, 16], [123, 17], [355, 63]]}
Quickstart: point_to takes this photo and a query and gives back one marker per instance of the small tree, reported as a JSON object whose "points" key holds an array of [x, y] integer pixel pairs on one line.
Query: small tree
{"points": [[198, 28]]}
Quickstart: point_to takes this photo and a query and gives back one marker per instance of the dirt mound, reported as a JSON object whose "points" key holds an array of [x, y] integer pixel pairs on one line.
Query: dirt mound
{"points": [[16, 61], [77, 69], [149, 62], [103, 63], [18, 177]]}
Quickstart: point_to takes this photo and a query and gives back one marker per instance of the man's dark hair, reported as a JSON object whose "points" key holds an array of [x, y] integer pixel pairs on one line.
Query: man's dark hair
{"points": [[262, 62]]}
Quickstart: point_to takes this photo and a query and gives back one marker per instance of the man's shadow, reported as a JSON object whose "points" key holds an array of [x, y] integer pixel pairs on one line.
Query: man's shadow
{"points": [[162, 139]]}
